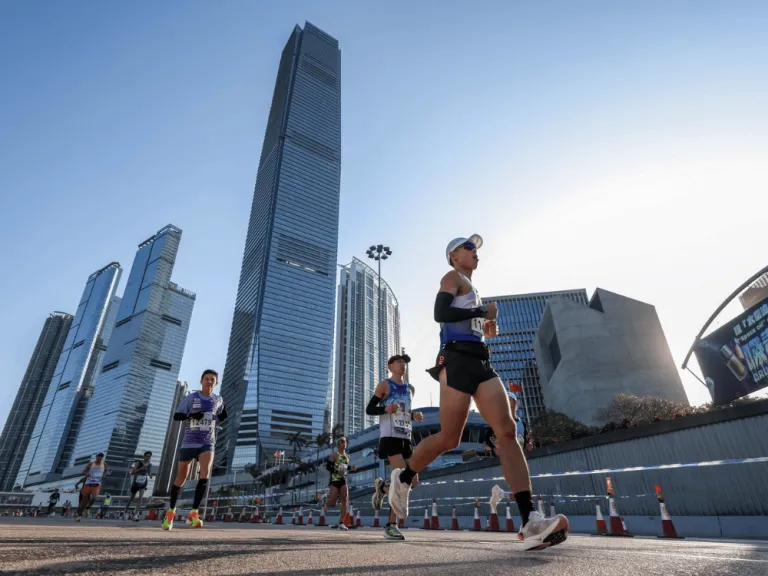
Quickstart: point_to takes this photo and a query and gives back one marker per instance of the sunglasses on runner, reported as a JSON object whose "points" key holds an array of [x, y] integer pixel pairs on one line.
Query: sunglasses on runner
{"points": [[468, 246]]}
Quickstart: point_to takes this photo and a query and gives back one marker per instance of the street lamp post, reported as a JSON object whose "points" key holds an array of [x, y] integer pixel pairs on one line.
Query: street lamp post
{"points": [[379, 253]]}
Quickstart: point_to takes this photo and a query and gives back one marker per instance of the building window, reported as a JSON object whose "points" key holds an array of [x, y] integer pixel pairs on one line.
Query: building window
{"points": [[110, 366], [123, 321], [171, 319], [554, 351], [160, 364], [78, 344], [64, 385]]}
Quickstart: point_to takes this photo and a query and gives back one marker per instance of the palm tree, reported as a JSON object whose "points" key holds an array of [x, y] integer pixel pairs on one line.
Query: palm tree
{"points": [[337, 432], [321, 441], [298, 442]]}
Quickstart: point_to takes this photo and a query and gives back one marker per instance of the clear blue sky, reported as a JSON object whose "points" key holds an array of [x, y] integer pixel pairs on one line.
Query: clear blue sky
{"points": [[613, 144]]}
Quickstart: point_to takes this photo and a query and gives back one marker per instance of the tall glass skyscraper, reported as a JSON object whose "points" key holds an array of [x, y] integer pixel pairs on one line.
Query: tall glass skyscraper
{"points": [[367, 334], [72, 381], [134, 391], [512, 350], [29, 399], [276, 376]]}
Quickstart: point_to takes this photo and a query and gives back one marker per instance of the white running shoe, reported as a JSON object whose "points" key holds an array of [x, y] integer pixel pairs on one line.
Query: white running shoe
{"points": [[378, 494], [342, 528], [398, 494], [541, 532], [497, 495]]}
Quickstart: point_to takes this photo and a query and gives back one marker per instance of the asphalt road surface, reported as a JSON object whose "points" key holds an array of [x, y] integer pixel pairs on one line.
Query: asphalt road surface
{"points": [[59, 546]]}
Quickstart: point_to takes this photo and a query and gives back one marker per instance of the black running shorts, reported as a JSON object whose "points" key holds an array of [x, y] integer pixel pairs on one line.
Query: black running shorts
{"points": [[135, 488], [338, 484], [466, 364], [389, 446]]}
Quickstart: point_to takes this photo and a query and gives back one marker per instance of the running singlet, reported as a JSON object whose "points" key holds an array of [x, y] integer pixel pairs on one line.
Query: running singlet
{"points": [[200, 432], [95, 474], [141, 478], [397, 425], [466, 330], [340, 470]]}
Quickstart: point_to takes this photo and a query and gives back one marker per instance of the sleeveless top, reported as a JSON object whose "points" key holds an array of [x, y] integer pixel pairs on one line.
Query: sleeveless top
{"points": [[142, 478], [340, 470], [466, 330], [397, 425], [95, 474]]}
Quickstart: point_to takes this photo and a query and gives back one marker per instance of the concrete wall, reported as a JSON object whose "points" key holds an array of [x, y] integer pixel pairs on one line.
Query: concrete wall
{"points": [[614, 346]]}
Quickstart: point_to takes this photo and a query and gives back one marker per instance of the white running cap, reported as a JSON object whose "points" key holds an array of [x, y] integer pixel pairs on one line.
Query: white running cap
{"points": [[476, 239]]}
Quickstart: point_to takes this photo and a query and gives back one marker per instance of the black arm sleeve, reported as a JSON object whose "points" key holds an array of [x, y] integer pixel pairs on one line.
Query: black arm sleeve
{"points": [[223, 414], [330, 466], [180, 416], [373, 408], [444, 312]]}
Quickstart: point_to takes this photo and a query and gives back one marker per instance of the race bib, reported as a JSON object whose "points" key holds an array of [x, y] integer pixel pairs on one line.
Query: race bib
{"points": [[204, 424], [342, 469], [477, 326], [401, 422], [141, 479]]}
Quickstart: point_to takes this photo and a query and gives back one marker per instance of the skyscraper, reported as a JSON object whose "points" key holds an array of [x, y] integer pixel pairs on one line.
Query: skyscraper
{"points": [[512, 352], [169, 458], [276, 376], [134, 391], [29, 399], [367, 334], [72, 383]]}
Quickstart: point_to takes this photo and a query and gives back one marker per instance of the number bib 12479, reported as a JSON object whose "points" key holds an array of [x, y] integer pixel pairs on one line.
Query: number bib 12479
{"points": [[204, 424]]}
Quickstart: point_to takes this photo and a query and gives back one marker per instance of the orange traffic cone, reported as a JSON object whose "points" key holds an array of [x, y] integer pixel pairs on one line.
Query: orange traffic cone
{"points": [[426, 518], [309, 520], [301, 517], [476, 523], [493, 522], [293, 518], [348, 518], [279, 519], [454, 520], [602, 529], [322, 516], [357, 520], [510, 523], [618, 528], [667, 528], [435, 518], [541, 506], [375, 518]]}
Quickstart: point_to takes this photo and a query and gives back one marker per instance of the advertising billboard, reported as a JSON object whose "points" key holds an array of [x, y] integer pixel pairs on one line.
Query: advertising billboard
{"points": [[734, 358]]}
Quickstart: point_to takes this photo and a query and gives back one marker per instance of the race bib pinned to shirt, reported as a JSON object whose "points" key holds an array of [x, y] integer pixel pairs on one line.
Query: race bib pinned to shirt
{"points": [[204, 424]]}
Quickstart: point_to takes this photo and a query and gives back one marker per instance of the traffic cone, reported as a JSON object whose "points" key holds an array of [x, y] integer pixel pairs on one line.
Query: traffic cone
{"points": [[301, 517], [667, 528], [510, 523], [348, 518], [435, 525], [309, 520], [375, 518], [426, 518], [476, 523], [454, 520], [552, 512], [493, 522], [322, 516], [618, 528], [293, 518], [541, 507], [357, 520], [602, 529]]}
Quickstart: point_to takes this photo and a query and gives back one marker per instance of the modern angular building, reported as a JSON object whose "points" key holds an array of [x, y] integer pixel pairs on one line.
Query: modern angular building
{"points": [[588, 353], [756, 293], [169, 458], [279, 359], [512, 352], [135, 389], [57, 425], [29, 399], [367, 334]]}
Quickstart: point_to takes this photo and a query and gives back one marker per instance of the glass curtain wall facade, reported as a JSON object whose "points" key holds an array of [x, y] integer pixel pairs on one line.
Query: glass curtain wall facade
{"points": [[512, 350], [367, 334], [72, 379], [276, 376], [134, 391], [25, 410], [168, 460]]}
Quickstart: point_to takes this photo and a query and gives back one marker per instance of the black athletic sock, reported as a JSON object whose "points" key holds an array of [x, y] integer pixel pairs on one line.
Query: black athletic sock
{"points": [[174, 495], [406, 476], [524, 504], [200, 489]]}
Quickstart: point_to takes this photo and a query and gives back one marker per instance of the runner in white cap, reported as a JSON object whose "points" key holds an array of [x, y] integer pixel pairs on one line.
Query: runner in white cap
{"points": [[465, 373]]}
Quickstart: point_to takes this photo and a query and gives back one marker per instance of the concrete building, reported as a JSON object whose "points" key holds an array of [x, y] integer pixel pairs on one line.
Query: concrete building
{"points": [[588, 353], [512, 350], [29, 399], [756, 293], [367, 334]]}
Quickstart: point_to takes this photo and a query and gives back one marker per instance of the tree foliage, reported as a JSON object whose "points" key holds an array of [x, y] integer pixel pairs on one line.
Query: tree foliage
{"points": [[628, 410], [554, 427]]}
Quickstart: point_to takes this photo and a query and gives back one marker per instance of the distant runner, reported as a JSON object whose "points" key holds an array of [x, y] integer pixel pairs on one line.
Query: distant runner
{"points": [[141, 472], [93, 475]]}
